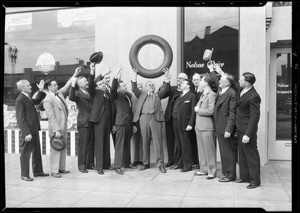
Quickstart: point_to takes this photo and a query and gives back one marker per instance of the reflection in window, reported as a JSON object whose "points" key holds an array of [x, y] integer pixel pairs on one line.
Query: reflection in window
{"points": [[211, 28], [284, 97]]}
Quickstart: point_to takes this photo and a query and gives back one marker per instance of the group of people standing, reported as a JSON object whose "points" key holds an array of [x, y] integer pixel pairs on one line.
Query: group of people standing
{"points": [[198, 112]]}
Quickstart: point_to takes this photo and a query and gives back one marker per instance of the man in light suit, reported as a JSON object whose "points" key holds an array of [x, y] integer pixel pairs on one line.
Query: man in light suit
{"points": [[247, 118], [29, 124], [123, 125], [183, 115], [205, 129], [84, 103], [150, 115], [56, 109], [224, 118]]}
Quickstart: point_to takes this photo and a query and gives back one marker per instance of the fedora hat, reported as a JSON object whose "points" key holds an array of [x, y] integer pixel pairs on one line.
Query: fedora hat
{"points": [[207, 54], [57, 143], [96, 57]]}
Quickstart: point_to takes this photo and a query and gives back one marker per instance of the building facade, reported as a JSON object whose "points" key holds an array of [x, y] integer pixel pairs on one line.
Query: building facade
{"points": [[245, 39]]}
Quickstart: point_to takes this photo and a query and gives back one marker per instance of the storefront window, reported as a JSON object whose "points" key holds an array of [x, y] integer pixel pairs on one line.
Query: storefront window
{"points": [[213, 29], [284, 97]]}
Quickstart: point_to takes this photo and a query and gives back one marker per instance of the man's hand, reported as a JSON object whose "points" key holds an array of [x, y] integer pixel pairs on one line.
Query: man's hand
{"points": [[189, 128], [196, 108], [41, 85], [119, 73], [28, 138], [73, 81], [135, 71], [114, 129], [134, 129], [218, 69], [77, 71], [245, 139], [92, 67], [210, 65], [227, 135], [167, 74], [57, 134]]}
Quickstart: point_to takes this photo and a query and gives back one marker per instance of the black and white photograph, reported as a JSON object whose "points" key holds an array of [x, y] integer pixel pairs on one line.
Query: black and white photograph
{"points": [[187, 106]]}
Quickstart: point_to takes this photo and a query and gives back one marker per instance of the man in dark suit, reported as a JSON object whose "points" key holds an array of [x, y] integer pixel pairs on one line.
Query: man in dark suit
{"points": [[123, 125], [150, 115], [195, 160], [29, 124], [247, 118], [173, 93], [224, 119], [102, 118], [183, 115], [84, 103]]}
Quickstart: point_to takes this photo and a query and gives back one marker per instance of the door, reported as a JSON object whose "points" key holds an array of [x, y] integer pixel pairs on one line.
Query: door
{"points": [[280, 113]]}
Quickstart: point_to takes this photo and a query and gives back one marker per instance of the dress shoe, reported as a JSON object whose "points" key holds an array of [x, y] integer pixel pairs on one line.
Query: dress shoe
{"points": [[195, 166], [241, 181], [100, 172], [198, 173], [26, 178], [64, 171], [56, 175], [175, 167], [111, 168], [139, 162], [131, 167], [134, 164], [225, 180], [252, 186], [41, 174], [169, 164], [93, 168], [210, 177], [119, 171], [162, 169], [144, 167], [83, 170], [185, 170]]}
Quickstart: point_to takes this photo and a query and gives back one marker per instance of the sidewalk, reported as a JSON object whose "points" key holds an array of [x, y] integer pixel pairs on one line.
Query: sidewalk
{"points": [[148, 188]]}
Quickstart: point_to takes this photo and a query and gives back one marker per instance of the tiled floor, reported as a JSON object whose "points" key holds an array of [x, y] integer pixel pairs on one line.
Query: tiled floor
{"points": [[148, 188]]}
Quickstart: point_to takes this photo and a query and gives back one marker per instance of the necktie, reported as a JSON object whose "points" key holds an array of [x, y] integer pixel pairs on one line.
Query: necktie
{"points": [[220, 93], [128, 100]]}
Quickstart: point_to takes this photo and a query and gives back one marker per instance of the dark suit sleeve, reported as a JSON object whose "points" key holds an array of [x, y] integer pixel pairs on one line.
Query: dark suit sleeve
{"points": [[72, 95], [230, 126], [135, 90], [92, 85], [163, 93], [193, 115], [40, 96], [254, 116], [20, 115], [114, 87]]}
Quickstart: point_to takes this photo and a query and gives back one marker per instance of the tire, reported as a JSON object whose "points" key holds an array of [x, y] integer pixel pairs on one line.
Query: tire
{"points": [[150, 39]]}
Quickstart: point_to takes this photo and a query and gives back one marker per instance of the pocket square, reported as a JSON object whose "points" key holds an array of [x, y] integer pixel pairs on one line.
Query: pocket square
{"points": [[187, 101]]}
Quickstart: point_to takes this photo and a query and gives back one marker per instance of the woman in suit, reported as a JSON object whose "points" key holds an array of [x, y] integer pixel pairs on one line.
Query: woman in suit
{"points": [[205, 129]]}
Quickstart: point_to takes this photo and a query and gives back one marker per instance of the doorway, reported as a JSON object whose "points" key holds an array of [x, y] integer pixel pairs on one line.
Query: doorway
{"points": [[280, 113]]}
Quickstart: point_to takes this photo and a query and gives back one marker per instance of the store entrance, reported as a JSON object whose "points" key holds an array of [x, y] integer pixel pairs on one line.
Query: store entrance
{"points": [[280, 113]]}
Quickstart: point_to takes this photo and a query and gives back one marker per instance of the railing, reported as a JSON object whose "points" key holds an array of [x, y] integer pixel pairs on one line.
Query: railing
{"points": [[12, 141]]}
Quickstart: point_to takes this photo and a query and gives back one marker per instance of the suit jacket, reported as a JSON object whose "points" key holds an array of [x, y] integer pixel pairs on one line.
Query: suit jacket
{"points": [[27, 117], [142, 95], [204, 116], [123, 108], [248, 112], [225, 109], [101, 99], [57, 111], [185, 110], [84, 104], [172, 94]]}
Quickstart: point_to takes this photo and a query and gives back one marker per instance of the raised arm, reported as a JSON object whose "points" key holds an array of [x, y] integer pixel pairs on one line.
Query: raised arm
{"points": [[134, 88], [72, 94], [65, 90]]}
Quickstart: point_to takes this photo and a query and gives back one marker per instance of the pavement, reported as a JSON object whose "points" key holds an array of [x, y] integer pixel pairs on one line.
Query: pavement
{"points": [[148, 188]]}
